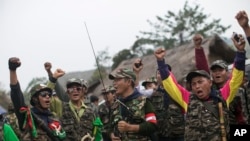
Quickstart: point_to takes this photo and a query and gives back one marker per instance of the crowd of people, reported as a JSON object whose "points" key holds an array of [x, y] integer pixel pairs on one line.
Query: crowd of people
{"points": [[212, 100]]}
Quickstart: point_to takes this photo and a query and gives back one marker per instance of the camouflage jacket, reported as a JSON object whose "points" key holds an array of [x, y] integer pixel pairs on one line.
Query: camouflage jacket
{"points": [[237, 108], [201, 123], [76, 130], [135, 115], [104, 114], [170, 119]]}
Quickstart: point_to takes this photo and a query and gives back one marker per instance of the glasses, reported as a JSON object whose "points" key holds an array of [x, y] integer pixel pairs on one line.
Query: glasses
{"points": [[70, 90], [45, 93]]}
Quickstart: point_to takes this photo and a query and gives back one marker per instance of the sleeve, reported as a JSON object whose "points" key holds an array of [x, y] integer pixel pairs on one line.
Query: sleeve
{"points": [[201, 60], [56, 105], [248, 40], [175, 91], [149, 126], [229, 90], [18, 102]]}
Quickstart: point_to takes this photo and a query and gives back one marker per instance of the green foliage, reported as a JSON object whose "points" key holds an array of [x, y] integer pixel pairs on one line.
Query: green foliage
{"points": [[178, 28], [120, 56], [102, 61]]}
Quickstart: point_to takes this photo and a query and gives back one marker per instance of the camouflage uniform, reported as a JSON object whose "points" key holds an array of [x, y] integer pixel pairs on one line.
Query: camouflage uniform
{"points": [[75, 129], [104, 113], [42, 119], [12, 120], [237, 108], [169, 115], [246, 102], [136, 115], [199, 117]]}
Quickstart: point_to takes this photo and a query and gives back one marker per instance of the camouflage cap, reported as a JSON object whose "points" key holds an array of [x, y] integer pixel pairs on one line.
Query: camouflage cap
{"points": [[108, 89], [219, 63], [85, 83], [73, 81], [196, 73], [149, 80], [38, 88], [122, 73]]}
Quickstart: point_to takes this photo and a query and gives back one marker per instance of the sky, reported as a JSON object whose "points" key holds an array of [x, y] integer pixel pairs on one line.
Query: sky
{"points": [[37, 31]]}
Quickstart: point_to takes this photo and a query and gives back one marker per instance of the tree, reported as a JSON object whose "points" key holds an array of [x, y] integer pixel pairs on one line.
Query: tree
{"points": [[177, 28], [102, 64], [121, 56]]}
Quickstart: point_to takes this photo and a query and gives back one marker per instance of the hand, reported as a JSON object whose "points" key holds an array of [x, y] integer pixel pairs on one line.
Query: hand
{"points": [[197, 39], [123, 126], [14, 63], [242, 19], [114, 138], [137, 69], [47, 66], [160, 53], [58, 73], [240, 46]]}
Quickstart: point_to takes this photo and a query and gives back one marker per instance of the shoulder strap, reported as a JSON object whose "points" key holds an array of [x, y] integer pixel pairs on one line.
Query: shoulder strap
{"points": [[211, 109]]}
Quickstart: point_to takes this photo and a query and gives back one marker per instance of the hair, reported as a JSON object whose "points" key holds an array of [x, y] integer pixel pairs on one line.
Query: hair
{"points": [[93, 98], [132, 82]]}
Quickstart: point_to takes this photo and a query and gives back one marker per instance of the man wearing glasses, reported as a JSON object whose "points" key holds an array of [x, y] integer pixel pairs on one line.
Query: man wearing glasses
{"points": [[36, 123], [75, 116]]}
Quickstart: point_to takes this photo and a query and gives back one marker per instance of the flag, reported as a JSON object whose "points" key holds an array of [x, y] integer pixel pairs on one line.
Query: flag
{"points": [[97, 129], [8, 133]]}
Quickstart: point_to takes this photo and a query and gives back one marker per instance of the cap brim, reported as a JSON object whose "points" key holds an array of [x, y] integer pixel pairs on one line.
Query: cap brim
{"points": [[73, 83], [111, 77], [217, 66], [191, 75]]}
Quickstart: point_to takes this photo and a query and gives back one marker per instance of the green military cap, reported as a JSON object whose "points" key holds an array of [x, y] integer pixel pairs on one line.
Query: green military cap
{"points": [[149, 80], [108, 89], [219, 63], [73, 81], [38, 88], [123, 73]]}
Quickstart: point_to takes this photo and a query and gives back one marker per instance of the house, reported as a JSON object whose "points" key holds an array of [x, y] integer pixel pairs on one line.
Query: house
{"points": [[181, 59]]}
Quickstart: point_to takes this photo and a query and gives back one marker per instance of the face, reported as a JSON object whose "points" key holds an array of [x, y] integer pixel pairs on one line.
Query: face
{"points": [[109, 97], [219, 75], [44, 99], [150, 86], [75, 92], [201, 87], [121, 85]]}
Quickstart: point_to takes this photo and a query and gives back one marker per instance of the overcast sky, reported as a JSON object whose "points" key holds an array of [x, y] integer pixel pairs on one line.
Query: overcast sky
{"points": [[53, 30]]}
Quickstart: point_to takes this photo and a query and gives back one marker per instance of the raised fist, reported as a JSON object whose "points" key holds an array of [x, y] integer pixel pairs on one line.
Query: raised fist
{"points": [[47, 66], [197, 39], [14, 63]]}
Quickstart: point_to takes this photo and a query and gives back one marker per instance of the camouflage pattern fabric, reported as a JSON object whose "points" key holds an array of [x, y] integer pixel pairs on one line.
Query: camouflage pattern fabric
{"points": [[238, 107], [13, 122], [201, 123], [104, 112], [246, 103], [137, 108], [76, 130], [170, 119]]}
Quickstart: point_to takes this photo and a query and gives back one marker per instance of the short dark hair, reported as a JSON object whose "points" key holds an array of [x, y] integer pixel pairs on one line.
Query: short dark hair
{"points": [[93, 98]]}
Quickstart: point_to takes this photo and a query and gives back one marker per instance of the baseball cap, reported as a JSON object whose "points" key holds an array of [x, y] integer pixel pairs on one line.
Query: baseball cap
{"points": [[149, 80], [219, 63], [123, 73], [196, 73], [108, 89], [73, 81]]}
